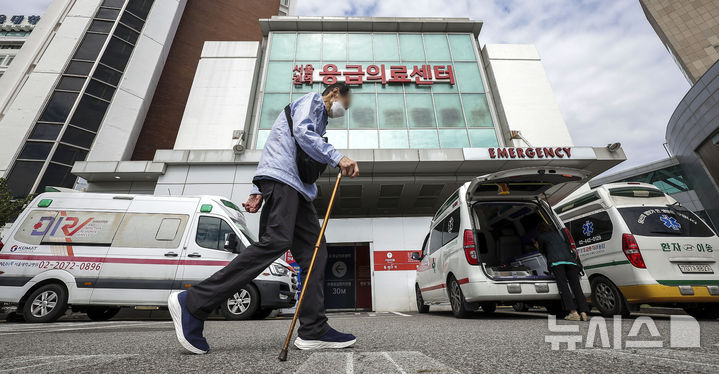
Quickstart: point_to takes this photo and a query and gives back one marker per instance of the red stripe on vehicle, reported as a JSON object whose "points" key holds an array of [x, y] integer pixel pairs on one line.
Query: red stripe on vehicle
{"points": [[463, 280], [115, 260], [441, 285]]}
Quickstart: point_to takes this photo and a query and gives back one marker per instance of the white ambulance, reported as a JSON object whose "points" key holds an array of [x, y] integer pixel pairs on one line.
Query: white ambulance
{"points": [[638, 245], [97, 252]]}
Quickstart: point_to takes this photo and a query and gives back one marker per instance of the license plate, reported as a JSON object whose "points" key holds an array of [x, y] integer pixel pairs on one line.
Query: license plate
{"points": [[695, 268]]}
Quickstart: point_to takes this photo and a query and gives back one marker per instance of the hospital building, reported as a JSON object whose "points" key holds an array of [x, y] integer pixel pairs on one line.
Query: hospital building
{"points": [[176, 97]]}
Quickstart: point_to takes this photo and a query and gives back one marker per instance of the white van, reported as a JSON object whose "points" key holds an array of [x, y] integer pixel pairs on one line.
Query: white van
{"points": [[98, 252], [480, 252], [638, 245]]}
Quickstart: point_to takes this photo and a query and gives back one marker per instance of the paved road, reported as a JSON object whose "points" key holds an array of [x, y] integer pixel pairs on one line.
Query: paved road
{"points": [[388, 343]]}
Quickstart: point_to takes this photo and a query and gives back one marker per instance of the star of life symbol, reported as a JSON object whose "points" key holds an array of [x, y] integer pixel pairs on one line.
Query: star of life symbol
{"points": [[587, 228], [670, 222], [450, 224]]}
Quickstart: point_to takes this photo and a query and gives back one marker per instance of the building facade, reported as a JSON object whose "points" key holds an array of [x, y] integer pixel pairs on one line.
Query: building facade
{"points": [[431, 110], [14, 30], [689, 31]]}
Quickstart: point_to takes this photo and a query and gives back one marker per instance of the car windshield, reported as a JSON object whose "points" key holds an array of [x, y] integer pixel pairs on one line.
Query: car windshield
{"points": [[243, 229], [664, 221]]}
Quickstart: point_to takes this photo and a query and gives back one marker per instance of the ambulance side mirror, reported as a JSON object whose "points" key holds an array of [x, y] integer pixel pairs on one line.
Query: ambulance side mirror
{"points": [[231, 243], [417, 256]]}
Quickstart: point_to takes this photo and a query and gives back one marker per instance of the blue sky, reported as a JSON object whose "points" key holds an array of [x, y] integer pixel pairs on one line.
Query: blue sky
{"points": [[611, 75]]}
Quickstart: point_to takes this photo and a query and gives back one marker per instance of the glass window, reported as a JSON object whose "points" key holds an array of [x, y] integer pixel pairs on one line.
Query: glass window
{"points": [[389, 88], [262, 138], [45, 131], [467, 77], [476, 110], [68, 155], [411, 47], [420, 110], [140, 8], [57, 176], [308, 47], [113, 3], [437, 47], [116, 54], [337, 123], [283, 46], [99, 89], [106, 74], [126, 34], [89, 113], [462, 49], [362, 112], [444, 85], [279, 77], [140, 230], [591, 229], [453, 138], [71, 83], [58, 107], [76, 136], [105, 13], [334, 47], [668, 221], [90, 46], [360, 47], [449, 111], [451, 227], [132, 21], [272, 106], [385, 47], [23, 176], [35, 150], [78, 68], [483, 137], [435, 241], [391, 111], [393, 139], [423, 139], [360, 139], [338, 138], [100, 26], [212, 232]]}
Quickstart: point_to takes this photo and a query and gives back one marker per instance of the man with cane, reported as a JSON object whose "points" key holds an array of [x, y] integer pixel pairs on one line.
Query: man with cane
{"points": [[294, 155]]}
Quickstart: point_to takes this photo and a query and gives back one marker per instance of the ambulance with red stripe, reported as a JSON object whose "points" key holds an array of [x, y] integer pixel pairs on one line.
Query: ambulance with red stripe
{"points": [[96, 253]]}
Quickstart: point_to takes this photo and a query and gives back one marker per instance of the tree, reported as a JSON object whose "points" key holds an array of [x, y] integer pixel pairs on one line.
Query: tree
{"points": [[10, 207]]}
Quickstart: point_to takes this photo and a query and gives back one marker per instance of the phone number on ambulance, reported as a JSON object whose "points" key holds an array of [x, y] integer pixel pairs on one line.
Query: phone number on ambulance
{"points": [[69, 265]]}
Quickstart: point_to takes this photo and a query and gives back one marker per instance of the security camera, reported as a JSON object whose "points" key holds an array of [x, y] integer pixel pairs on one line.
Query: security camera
{"points": [[238, 148], [614, 146], [238, 135]]}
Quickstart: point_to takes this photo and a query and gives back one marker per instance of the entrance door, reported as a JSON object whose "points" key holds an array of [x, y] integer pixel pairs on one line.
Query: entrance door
{"points": [[348, 284]]}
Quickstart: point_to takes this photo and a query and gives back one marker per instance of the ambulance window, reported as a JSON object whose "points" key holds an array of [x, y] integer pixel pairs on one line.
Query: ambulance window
{"points": [[451, 227], [150, 230], [211, 232], [435, 241], [35, 226], [168, 229], [591, 229]]}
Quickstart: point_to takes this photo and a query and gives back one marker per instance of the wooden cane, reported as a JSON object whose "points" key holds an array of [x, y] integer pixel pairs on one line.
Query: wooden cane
{"points": [[283, 353]]}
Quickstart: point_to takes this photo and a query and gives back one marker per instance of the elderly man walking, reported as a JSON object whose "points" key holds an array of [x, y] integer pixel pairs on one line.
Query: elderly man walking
{"points": [[288, 221]]}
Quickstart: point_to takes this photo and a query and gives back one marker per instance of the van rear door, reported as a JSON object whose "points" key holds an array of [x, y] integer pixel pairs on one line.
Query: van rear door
{"points": [[526, 183]]}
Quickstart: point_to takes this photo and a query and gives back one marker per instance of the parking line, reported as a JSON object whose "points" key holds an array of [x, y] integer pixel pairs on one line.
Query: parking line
{"points": [[387, 356], [350, 368], [401, 314], [36, 331]]}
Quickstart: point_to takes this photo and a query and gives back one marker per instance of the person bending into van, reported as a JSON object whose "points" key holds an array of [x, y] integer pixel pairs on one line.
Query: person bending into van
{"points": [[563, 265], [288, 221]]}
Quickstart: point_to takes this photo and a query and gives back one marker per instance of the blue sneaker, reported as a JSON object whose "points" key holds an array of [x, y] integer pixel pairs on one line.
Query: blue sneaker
{"points": [[187, 327], [331, 339]]}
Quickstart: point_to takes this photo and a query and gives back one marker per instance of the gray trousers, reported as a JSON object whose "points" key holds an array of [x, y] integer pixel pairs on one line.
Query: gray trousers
{"points": [[287, 221]]}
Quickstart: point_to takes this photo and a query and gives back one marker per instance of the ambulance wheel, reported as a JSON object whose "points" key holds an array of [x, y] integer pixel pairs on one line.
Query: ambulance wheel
{"points": [[45, 304], [460, 309], [703, 311], [262, 313], [101, 313], [421, 307], [607, 298], [489, 307], [520, 307], [242, 305]]}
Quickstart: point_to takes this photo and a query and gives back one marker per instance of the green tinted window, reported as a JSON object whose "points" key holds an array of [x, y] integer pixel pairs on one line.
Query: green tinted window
{"points": [[262, 138], [334, 47], [308, 47], [467, 77], [363, 139], [436, 47], [476, 110], [338, 138], [279, 77], [411, 47], [362, 113], [283, 46], [272, 105], [449, 111], [453, 138], [423, 139], [462, 49], [360, 47], [385, 47], [483, 137], [443, 85], [393, 139], [420, 110], [391, 111]]}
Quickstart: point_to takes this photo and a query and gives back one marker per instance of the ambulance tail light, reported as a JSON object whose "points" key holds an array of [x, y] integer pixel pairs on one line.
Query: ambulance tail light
{"points": [[631, 250], [470, 249], [570, 239], [1, 245]]}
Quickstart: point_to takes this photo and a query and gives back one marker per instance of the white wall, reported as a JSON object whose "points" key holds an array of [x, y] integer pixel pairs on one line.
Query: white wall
{"points": [[525, 100], [220, 97]]}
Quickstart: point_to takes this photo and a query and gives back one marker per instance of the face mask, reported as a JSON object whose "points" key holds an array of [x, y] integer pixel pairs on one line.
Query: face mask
{"points": [[337, 110]]}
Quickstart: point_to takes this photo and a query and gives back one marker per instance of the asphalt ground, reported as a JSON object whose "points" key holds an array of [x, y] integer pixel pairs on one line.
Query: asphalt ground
{"points": [[503, 342]]}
